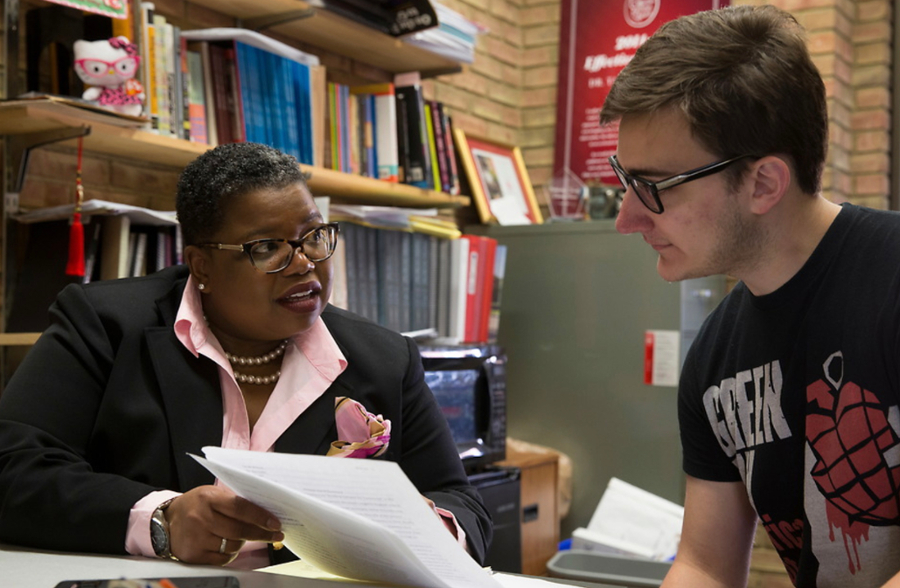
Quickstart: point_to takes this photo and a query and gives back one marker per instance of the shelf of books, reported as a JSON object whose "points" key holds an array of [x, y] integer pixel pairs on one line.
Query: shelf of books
{"points": [[120, 136], [318, 27]]}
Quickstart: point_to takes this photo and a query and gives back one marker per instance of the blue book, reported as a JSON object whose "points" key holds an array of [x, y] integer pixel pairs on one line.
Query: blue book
{"points": [[249, 91], [275, 100], [289, 112], [344, 98], [303, 102]]}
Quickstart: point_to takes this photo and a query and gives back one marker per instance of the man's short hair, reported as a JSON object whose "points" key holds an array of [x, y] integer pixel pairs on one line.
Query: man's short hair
{"points": [[745, 81]]}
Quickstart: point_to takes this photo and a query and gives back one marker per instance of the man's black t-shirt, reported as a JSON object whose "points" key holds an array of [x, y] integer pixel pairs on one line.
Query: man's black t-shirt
{"points": [[795, 393]]}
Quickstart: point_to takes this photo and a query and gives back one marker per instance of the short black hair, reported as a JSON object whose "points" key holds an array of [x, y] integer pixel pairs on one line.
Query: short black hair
{"points": [[211, 182]]}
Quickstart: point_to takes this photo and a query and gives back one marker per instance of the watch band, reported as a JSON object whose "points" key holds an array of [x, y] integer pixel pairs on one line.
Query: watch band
{"points": [[159, 532]]}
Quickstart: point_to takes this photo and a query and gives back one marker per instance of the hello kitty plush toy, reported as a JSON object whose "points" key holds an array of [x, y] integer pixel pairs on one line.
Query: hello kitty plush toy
{"points": [[109, 67]]}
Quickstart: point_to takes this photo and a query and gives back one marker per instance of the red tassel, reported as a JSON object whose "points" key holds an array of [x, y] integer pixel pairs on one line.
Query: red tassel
{"points": [[75, 266]]}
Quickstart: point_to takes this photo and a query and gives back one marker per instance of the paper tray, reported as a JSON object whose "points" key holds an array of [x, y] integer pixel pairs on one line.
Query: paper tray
{"points": [[606, 568]]}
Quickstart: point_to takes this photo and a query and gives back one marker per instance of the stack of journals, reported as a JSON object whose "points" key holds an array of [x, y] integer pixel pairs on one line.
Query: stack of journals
{"points": [[453, 38]]}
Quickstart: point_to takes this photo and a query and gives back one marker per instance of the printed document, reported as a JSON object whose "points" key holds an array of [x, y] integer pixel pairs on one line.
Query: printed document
{"points": [[355, 518]]}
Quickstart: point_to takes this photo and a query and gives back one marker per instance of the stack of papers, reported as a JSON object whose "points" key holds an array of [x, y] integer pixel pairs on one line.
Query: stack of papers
{"points": [[454, 37], [137, 214], [417, 220], [632, 521]]}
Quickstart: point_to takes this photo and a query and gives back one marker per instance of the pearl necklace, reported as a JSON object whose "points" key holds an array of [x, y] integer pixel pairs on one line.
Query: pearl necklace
{"points": [[253, 361], [259, 380], [260, 360]]}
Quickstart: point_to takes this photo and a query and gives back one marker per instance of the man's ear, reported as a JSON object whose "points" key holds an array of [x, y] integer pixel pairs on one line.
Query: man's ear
{"points": [[197, 261], [770, 177]]}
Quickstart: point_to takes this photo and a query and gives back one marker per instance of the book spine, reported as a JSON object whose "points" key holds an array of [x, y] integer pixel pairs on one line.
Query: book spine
{"points": [[212, 132], [245, 79], [486, 295], [418, 172], [197, 99], [148, 58], [184, 83], [160, 75], [451, 152], [233, 101], [432, 149], [442, 178]]}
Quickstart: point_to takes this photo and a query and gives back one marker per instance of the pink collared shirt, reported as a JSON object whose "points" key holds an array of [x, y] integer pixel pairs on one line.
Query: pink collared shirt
{"points": [[311, 363]]}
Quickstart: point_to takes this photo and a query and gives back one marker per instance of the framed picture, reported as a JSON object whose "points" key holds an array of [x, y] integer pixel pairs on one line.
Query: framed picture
{"points": [[499, 181]]}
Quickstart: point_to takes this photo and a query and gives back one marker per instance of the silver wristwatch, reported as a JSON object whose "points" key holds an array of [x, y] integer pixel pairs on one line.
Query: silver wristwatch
{"points": [[159, 532]]}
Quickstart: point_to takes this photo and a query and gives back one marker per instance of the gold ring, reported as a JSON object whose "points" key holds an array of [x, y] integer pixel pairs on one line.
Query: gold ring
{"points": [[222, 545]]}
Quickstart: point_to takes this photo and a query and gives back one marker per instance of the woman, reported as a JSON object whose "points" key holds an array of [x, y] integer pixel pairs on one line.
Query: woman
{"points": [[238, 348]]}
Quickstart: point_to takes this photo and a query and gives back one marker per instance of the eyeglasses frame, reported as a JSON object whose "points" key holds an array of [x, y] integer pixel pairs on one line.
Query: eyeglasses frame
{"points": [[295, 243], [670, 182], [109, 64]]}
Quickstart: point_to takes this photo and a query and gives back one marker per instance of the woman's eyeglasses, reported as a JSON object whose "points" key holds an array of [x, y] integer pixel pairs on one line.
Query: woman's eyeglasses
{"points": [[648, 192], [273, 255]]}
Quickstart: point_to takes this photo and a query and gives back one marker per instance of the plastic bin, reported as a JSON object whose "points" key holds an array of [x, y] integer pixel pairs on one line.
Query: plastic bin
{"points": [[606, 568]]}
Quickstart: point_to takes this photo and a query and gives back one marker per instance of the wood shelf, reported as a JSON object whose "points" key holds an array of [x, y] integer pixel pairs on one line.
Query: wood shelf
{"points": [[17, 339], [111, 135], [337, 34]]}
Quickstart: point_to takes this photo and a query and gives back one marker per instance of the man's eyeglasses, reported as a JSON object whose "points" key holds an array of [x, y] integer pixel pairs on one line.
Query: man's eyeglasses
{"points": [[648, 191], [273, 255]]}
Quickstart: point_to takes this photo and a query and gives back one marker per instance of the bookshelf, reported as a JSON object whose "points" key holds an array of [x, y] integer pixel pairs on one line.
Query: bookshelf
{"points": [[25, 124], [111, 135], [302, 22]]}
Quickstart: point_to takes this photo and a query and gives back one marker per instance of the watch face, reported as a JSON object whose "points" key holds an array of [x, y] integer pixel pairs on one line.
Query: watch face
{"points": [[158, 537]]}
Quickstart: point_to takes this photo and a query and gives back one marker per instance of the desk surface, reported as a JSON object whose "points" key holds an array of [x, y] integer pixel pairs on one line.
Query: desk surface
{"points": [[27, 568]]}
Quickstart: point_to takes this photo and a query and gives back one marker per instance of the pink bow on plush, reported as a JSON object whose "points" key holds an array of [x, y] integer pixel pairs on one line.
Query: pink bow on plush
{"points": [[360, 433]]}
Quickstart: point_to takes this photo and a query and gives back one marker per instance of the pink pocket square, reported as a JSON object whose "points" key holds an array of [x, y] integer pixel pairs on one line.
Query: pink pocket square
{"points": [[360, 433]]}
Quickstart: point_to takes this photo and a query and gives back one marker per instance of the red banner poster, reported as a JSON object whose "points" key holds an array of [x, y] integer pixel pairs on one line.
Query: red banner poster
{"points": [[597, 40]]}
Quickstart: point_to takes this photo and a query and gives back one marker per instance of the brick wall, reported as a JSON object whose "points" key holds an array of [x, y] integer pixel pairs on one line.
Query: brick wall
{"points": [[850, 42]]}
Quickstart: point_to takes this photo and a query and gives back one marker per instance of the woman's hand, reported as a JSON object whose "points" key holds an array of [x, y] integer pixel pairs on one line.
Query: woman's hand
{"points": [[201, 518]]}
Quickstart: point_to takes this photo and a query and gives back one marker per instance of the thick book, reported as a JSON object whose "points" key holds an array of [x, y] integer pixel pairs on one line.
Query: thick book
{"points": [[148, 63], [443, 287], [209, 111], [432, 148], [197, 98], [218, 60], [413, 133], [390, 263], [115, 247], [480, 287], [486, 295], [419, 308], [161, 75], [459, 282], [356, 518], [440, 142], [318, 113]]}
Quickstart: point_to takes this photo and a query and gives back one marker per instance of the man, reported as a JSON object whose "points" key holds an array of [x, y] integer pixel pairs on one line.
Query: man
{"points": [[788, 401]]}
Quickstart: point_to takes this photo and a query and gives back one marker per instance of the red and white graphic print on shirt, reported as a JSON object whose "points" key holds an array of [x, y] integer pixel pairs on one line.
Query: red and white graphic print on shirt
{"points": [[854, 445]]}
